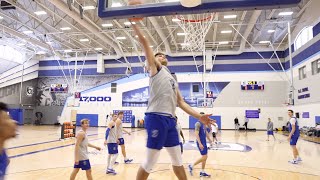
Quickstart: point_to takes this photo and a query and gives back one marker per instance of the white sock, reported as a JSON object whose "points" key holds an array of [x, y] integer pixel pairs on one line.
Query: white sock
{"points": [[113, 160], [202, 170], [109, 160]]}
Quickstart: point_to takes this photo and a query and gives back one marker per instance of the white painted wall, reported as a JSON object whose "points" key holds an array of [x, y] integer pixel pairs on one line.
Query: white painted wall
{"points": [[228, 109], [312, 104]]}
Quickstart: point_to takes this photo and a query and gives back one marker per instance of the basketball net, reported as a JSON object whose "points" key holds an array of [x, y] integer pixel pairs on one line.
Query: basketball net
{"points": [[195, 27]]}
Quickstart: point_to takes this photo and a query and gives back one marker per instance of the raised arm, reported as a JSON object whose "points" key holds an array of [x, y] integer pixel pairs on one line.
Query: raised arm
{"points": [[186, 108], [152, 65]]}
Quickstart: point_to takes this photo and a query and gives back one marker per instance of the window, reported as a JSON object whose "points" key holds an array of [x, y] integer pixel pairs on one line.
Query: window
{"points": [[302, 73], [305, 35], [113, 87], [315, 67]]}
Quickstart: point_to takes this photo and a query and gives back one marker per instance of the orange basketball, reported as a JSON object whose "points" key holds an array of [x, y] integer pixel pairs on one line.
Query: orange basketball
{"points": [[132, 3]]}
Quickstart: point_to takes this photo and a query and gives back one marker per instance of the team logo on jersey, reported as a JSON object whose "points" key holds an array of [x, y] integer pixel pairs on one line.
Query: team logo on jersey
{"points": [[155, 133], [172, 84]]}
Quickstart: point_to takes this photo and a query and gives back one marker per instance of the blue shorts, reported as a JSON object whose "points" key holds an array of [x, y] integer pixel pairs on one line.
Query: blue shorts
{"points": [[270, 132], [293, 141], [121, 141], [181, 146], [112, 148], [84, 165], [161, 131], [204, 151]]}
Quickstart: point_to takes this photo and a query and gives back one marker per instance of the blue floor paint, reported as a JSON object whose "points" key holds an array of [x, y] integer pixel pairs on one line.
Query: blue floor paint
{"points": [[57, 147], [33, 152], [224, 146], [34, 144]]}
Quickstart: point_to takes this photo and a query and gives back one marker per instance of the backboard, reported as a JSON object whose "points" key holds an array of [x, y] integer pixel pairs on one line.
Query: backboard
{"points": [[118, 9]]}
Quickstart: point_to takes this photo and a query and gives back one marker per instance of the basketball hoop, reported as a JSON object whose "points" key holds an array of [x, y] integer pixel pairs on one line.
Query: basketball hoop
{"points": [[195, 27]]}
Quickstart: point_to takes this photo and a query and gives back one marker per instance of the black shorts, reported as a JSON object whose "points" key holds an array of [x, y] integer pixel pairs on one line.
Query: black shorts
{"points": [[213, 134]]}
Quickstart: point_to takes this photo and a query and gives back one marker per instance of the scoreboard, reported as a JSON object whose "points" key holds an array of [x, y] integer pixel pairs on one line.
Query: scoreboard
{"points": [[252, 85], [59, 88]]}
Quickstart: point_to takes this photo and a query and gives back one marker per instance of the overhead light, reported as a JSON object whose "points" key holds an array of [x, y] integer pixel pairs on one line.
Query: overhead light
{"points": [[138, 36], [223, 42], [40, 13], [65, 28], [230, 16], [68, 50], [226, 31], [121, 38], [286, 13], [106, 25], [98, 49], [41, 52], [185, 44], [182, 34], [151, 46], [116, 5], [49, 42], [176, 20], [1, 17], [21, 44], [271, 31], [84, 40], [128, 23], [27, 32], [88, 7], [264, 42]]}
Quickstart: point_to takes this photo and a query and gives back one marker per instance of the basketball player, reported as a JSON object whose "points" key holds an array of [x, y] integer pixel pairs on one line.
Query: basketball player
{"points": [[111, 140], [270, 129], [8, 130], [81, 151], [160, 115], [293, 137], [215, 130], [236, 124], [201, 134], [246, 121], [179, 130], [120, 136]]}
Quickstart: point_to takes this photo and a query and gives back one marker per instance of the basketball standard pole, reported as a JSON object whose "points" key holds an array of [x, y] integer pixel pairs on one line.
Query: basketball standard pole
{"points": [[204, 72], [290, 60], [75, 74]]}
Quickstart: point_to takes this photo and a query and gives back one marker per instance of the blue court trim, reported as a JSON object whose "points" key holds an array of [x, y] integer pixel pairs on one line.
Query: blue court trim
{"points": [[57, 147], [46, 142], [33, 144], [43, 150], [300, 138]]}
